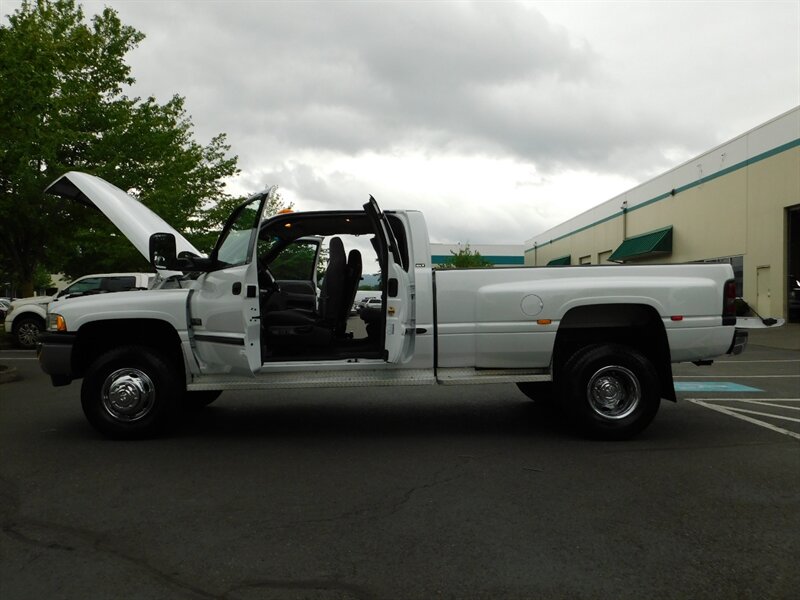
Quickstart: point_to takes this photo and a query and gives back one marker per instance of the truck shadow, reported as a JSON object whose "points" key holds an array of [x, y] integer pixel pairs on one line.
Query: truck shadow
{"points": [[284, 416]]}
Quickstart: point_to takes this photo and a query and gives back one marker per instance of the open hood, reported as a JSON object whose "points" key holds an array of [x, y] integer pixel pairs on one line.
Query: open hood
{"points": [[131, 217]]}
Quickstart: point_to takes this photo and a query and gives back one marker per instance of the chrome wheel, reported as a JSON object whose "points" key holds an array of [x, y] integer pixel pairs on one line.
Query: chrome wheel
{"points": [[128, 394], [613, 392]]}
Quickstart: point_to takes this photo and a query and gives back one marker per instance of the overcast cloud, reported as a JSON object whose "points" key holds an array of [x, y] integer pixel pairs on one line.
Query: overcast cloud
{"points": [[499, 120]]}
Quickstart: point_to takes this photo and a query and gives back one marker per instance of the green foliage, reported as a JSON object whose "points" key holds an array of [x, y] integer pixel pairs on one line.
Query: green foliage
{"points": [[62, 108], [42, 279], [294, 263], [203, 233], [465, 258]]}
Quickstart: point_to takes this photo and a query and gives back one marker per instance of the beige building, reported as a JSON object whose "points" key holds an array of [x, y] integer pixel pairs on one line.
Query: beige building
{"points": [[737, 203]]}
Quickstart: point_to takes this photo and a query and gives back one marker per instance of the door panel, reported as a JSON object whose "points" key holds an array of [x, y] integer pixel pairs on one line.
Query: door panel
{"points": [[400, 330], [398, 291], [224, 313], [226, 321], [299, 294]]}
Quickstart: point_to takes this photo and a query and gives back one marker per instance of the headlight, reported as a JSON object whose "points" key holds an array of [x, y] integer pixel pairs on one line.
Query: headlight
{"points": [[56, 322]]}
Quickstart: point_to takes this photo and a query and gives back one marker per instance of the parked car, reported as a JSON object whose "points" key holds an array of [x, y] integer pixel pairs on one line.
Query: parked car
{"points": [[4, 306], [362, 303], [372, 304], [26, 318], [368, 303]]}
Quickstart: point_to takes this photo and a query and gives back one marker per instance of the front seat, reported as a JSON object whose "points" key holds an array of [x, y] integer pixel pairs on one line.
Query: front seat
{"points": [[351, 281], [297, 325], [333, 285]]}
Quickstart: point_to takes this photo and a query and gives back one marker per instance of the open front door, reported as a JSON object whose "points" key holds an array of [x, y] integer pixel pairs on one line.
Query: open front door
{"points": [[398, 290], [224, 313]]}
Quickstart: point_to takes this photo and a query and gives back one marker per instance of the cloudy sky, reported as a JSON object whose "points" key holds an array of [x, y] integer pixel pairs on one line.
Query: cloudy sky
{"points": [[497, 119]]}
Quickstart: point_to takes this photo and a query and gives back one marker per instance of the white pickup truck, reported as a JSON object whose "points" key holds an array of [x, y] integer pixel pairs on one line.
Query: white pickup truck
{"points": [[27, 317], [253, 315]]}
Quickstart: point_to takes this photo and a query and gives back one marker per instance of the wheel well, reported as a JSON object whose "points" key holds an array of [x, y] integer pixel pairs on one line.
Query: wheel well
{"points": [[634, 325], [28, 315], [98, 338]]}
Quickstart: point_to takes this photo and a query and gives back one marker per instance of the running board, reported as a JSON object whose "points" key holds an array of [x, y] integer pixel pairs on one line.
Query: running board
{"points": [[307, 379], [357, 378], [462, 376]]}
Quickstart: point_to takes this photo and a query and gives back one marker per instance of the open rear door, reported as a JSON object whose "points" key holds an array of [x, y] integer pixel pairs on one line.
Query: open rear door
{"points": [[398, 292]]}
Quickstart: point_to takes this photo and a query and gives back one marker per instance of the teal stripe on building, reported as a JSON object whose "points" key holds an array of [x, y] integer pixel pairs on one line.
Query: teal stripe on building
{"points": [[745, 163], [440, 259]]}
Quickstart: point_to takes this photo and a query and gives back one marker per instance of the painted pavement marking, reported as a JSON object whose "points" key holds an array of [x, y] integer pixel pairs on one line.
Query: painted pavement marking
{"points": [[713, 386], [738, 413], [777, 360], [739, 376]]}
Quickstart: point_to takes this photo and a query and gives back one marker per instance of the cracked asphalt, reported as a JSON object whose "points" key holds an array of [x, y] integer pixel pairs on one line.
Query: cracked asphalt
{"points": [[459, 492]]}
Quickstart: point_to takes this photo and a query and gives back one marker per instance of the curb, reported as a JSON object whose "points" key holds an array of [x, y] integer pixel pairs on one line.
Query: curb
{"points": [[8, 374]]}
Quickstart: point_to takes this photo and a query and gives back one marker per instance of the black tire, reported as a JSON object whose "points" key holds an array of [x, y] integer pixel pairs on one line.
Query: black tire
{"points": [[131, 393], [609, 391], [541, 392], [27, 331], [200, 399]]}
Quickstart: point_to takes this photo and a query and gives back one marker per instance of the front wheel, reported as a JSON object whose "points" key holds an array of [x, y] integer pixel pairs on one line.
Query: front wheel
{"points": [[27, 331], [130, 393], [610, 391]]}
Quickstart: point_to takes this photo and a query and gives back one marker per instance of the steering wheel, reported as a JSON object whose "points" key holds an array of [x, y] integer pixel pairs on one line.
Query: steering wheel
{"points": [[270, 295]]}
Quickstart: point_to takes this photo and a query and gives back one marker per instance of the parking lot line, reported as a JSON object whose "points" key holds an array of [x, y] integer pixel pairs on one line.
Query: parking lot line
{"points": [[739, 362], [769, 403], [770, 415], [738, 415], [738, 376]]}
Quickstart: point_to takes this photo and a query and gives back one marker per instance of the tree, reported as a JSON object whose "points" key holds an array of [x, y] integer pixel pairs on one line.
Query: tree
{"points": [[465, 258], [62, 108]]}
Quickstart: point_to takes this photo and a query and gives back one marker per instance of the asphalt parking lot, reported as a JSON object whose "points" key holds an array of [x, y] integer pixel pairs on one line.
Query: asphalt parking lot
{"points": [[453, 492]]}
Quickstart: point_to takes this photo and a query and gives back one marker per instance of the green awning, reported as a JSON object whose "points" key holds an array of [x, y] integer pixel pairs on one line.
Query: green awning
{"points": [[645, 244], [561, 260]]}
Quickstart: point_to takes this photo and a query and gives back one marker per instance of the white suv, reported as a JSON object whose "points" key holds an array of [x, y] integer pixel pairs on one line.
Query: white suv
{"points": [[27, 317]]}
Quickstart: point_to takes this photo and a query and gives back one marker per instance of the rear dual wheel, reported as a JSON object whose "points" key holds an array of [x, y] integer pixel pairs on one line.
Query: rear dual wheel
{"points": [[609, 391]]}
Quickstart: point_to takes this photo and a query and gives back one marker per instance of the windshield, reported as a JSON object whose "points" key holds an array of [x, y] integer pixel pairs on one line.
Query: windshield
{"points": [[99, 285], [234, 247]]}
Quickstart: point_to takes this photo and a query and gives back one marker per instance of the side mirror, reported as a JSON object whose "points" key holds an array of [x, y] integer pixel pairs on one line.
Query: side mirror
{"points": [[163, 256]]}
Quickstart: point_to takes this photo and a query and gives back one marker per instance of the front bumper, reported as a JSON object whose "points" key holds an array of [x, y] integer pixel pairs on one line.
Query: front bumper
{"points": [[739, 342], [55, 356]]}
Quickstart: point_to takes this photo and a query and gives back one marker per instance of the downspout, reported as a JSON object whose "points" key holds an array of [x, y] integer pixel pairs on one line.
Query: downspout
{"points": [[624, 208]]}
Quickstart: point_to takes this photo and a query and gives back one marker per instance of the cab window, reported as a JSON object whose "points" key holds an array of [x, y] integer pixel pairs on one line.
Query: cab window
{"points": [[296, 262]]}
